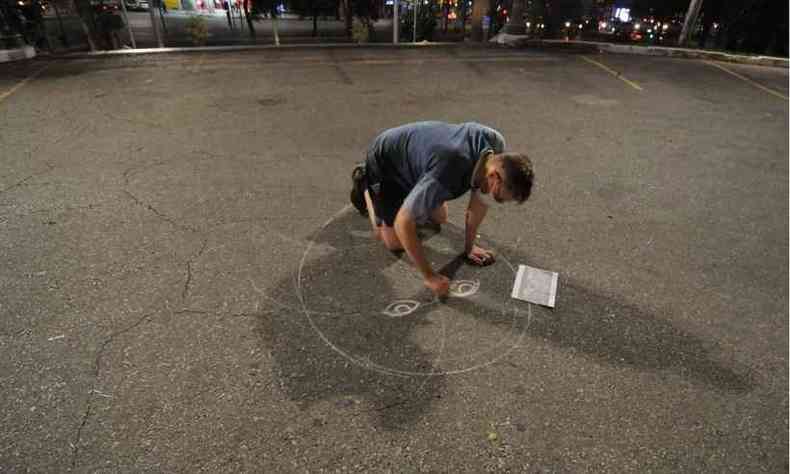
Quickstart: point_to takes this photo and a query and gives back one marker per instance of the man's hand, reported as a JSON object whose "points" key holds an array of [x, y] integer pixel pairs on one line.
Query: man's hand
{"points": [[438, 284], [480, 256]]}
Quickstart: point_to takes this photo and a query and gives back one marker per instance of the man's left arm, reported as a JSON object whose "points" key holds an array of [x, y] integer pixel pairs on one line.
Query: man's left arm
{"points": [[475, 213]]}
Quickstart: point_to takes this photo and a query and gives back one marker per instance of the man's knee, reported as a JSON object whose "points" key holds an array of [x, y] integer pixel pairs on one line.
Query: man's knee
{"points": [[390, 239]]}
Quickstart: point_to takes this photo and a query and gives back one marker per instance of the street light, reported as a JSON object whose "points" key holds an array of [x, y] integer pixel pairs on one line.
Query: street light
{"points": [[395, 8]]}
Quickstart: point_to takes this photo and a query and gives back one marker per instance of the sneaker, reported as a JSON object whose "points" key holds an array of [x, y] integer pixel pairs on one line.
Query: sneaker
{"points": [[358, 189]]}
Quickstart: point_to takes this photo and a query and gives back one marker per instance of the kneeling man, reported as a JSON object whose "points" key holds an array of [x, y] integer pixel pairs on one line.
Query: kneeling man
{"points": [[410, 173]]}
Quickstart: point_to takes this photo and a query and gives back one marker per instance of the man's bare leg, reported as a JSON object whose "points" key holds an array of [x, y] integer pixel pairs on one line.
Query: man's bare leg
{"points": [[390, 238], [383, 232], [372, 215]]}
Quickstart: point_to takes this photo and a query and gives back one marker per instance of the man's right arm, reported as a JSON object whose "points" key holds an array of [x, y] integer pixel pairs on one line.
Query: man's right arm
{"points": [[406, 230]]}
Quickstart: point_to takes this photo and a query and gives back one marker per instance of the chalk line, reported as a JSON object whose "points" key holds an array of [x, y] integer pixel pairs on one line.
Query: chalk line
{"points": [[370, 365]]}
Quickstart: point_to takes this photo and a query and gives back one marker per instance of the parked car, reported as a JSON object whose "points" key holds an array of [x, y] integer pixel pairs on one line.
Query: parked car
{"points": [[138, 5], [102, 6]]}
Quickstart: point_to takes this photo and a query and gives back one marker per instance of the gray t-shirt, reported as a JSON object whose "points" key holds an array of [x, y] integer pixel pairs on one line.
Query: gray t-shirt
{"points": [[434, 160]]}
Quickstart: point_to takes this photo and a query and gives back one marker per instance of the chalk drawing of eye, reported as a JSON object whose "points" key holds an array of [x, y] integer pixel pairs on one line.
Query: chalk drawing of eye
{"points": [[401, 308], [464, 288]]}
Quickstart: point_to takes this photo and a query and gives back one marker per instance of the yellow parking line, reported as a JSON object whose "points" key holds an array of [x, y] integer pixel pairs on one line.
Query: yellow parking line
{"points": [[744, 78], [21, 83], [613, 72]]}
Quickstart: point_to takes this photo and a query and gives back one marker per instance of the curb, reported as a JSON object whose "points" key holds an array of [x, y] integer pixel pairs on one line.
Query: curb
{"points": [[25, 52], [251, 47], [507, 40], [594, 46]]}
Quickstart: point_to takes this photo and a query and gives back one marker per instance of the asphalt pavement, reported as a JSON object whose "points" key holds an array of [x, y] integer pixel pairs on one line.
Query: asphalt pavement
{"points": [[186, 288]]}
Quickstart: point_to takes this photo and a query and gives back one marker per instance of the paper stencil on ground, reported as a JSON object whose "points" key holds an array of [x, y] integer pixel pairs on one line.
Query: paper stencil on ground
{"points": [[535, 286]]}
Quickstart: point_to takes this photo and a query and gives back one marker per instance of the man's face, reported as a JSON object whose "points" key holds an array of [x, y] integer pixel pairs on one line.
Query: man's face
{"points": [[496, 186]]}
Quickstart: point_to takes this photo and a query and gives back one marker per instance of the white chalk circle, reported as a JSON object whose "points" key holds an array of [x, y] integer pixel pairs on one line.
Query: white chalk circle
{"points": [[471, 330]]}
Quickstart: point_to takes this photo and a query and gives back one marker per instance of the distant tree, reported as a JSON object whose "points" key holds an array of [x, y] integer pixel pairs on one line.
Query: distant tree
{"points": [[88, 21], [267, 7], [264, 7], [248, 15], [560, 11], [660, 9], [463, 12], [10, 21], [480, 9], [367, 13], [426, 23], [536, 11], [497, 11], [24, 19], [755, 26], [445, 15], [313, 9], [347, 15], [711, 13], [197, 27], [299, 7]]}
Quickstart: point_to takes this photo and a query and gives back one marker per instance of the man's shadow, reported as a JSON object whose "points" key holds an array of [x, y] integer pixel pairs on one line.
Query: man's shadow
{"points": [[614, 332], [330, 343], [328, 337]]}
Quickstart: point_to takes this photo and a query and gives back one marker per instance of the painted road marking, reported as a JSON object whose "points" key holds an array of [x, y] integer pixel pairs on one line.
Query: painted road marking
{"points": [[613, 72], [746, 79], [21, 83]]}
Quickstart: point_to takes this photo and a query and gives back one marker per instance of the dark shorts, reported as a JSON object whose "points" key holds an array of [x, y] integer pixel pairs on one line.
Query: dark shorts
{"points": [[387, 196]]}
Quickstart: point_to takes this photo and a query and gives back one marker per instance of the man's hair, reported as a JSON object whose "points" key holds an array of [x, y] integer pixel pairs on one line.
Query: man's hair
{"points": [[518, 175]]}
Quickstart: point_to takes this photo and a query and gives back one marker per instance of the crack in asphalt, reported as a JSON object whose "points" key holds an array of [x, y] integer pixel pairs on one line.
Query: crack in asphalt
{"points": [[50, 167], [75, 446], [392, 405], [192, 311], [174, 223], [188, 281], [159, 214], [89, 409]]}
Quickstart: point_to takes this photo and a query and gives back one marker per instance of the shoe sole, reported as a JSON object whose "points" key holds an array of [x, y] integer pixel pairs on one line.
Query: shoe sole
{"points": [[357, 194]]}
